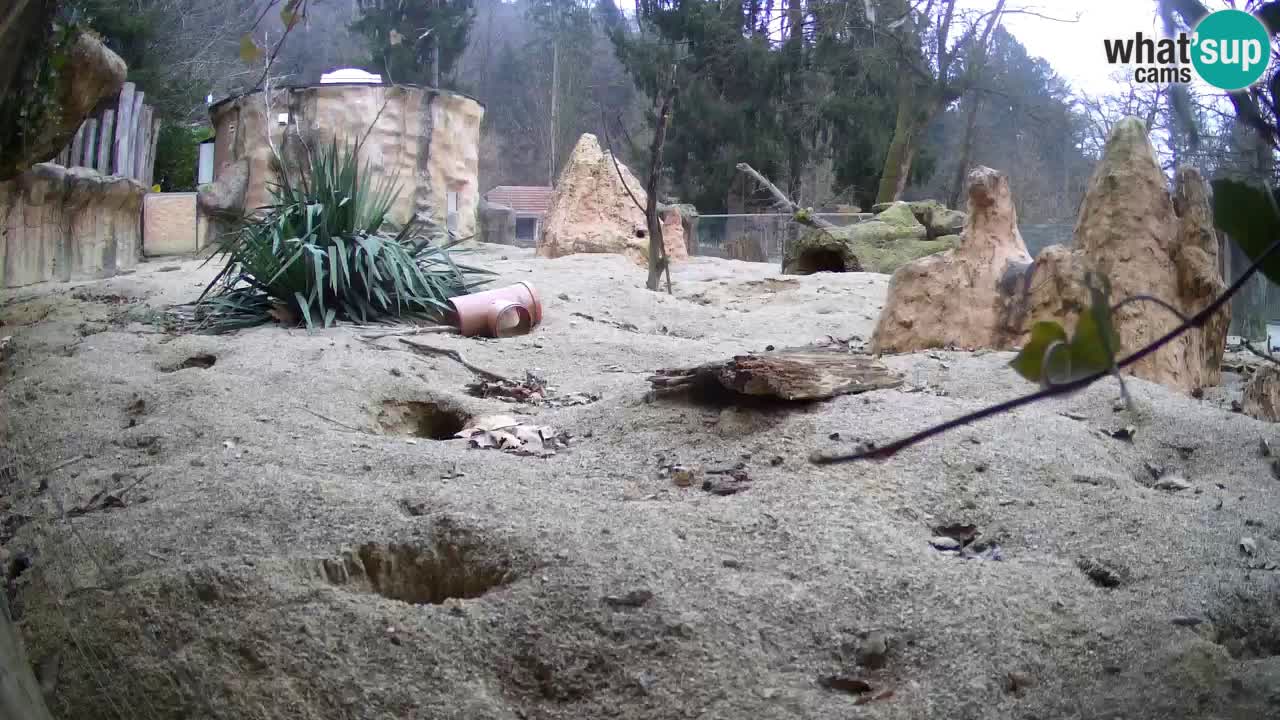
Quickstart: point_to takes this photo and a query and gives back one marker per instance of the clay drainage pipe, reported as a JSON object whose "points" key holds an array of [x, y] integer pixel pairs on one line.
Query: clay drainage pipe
{"points": [[501, 312]]}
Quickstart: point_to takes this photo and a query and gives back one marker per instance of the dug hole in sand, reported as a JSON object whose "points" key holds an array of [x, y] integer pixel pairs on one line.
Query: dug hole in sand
{"points": [[271, 523]]}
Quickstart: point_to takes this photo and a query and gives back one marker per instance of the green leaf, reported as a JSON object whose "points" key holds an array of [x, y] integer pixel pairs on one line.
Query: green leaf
{"points": [[250, 53], [1030, 361], [1247, 214], [1048, 358]]}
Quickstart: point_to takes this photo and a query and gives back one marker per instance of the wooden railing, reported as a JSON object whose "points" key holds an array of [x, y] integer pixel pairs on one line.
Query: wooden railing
{"points": [[118, 139]]}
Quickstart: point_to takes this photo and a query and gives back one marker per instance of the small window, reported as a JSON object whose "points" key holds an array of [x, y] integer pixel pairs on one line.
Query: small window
{"points": [[526, 228]]}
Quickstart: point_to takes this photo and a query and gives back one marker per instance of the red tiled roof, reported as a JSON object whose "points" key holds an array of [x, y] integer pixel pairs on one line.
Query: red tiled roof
{"points": [[524, 199]]}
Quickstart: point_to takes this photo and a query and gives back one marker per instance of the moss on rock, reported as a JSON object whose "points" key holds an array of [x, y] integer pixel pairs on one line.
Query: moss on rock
{"points": [[872, 246]]}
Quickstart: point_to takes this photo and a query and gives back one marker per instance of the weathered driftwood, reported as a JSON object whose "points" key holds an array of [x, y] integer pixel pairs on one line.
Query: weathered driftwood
{"points": [[789, 374], [800, 217]]}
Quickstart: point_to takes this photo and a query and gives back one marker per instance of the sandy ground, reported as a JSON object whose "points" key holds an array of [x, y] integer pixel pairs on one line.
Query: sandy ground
{"points": [[264, 537]]}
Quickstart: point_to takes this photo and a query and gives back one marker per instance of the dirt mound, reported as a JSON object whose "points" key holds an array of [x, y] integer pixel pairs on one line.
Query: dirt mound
{"points": [[276, 536]]}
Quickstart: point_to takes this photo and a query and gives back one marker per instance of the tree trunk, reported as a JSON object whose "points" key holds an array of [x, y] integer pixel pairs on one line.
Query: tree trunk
{"points": [[555, 111], [657, 250], [916, 109], [966, 151]]}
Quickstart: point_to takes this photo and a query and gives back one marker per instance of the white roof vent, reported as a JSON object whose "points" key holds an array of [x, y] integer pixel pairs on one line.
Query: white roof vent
{"points": [[350, 75]]}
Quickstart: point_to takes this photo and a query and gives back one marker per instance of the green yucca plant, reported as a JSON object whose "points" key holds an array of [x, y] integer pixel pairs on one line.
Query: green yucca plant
{"points": [[316, 253]]}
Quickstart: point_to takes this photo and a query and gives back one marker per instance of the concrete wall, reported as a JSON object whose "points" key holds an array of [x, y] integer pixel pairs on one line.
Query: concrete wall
{"points": [[427, 139], [172, 225], [68, 224]]}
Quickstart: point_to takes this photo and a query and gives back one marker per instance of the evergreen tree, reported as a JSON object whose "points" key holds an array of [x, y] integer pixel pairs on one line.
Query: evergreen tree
{"points": [[415, 41]]}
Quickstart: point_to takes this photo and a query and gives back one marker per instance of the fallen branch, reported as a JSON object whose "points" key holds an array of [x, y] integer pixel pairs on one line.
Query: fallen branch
{"points": [[1196, 321], [448, 329], [797, 213], [456, 357]]}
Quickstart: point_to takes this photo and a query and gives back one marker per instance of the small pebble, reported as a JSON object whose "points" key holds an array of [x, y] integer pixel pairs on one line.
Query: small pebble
{"points": [[1248, 546], [943, 542]]}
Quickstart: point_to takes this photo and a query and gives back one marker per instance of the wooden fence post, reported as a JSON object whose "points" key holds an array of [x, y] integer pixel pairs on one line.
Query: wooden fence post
{"points": [[77, 147], [124, 113], [135, 135], [106, 136], [90, 143]]}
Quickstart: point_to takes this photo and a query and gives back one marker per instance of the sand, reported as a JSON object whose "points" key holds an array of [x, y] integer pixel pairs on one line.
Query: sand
{"points": [[245, 526]]}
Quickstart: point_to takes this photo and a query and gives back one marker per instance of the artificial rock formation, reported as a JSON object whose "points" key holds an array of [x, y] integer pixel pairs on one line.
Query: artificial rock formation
{"points": [[426, 139], [883, 244], [954, 299], [68, 224], [592, 212], [1130, 228], [90, 73]]}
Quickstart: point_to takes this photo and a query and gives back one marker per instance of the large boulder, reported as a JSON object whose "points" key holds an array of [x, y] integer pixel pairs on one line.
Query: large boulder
{"points": [[60, 96], [960, 298], [593, 212], [495, 223], [882, 245]]}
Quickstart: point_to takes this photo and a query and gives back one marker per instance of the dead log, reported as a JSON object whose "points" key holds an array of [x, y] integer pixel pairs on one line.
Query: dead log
{"points": [[798, 214], [809, 373]]}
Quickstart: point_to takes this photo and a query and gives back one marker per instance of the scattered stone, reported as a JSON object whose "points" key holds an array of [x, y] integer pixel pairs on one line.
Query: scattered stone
{"points": [[724, 488], [1248, 546], [1172, 483], [635, 598], [1264, 448], [1017, 680], [1275, 468], [1186, 620], [1125, 433], [943, 542], [731, 564], [684, 476], [1096, 479], [1100, 573]]}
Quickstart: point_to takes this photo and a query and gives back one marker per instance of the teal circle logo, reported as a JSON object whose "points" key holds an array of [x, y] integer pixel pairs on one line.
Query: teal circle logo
{"points": [[1232, 48]]}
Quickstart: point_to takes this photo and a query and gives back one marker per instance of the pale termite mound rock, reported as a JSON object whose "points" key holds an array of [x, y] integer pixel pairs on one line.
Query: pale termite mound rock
{"points": [[1147, 242], [962, 297], [593, 212]]}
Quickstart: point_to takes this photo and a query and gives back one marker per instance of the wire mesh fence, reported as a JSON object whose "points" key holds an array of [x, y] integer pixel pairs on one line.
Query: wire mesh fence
{"points": [[754, 237]]}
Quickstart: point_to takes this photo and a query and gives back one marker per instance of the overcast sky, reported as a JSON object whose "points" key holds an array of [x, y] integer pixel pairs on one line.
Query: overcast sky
{"points": [[1074, 49]]}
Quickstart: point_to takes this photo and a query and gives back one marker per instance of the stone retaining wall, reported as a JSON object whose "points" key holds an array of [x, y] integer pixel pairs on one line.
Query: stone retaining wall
{"points": [[68, 224]]}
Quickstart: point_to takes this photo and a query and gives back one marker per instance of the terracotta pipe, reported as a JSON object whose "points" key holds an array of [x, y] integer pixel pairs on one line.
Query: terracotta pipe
{"points": [[501, 312]]}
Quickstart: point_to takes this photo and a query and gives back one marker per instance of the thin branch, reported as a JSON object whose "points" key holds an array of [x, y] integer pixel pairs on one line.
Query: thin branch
{"points": [[1198, 320], [608, 144]]}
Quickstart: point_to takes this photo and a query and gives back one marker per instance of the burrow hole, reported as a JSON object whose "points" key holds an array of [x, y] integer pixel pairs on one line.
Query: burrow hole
{"points": [[202, 361], [426, 574], [816, 261], [421, 419]]}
